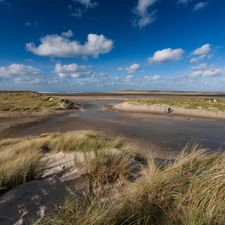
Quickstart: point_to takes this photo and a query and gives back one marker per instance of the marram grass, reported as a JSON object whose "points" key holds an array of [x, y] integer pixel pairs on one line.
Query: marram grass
{"points": [[19, 158], [191, 191]]}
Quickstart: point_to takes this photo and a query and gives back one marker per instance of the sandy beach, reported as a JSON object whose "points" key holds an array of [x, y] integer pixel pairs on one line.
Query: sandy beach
{"points": [[163, 109]]}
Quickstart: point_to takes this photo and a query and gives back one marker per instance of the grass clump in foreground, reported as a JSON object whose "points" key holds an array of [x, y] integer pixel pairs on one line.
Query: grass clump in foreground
{"points": [[29, 102], [185, 102], [18, 163], [19, 158], [191, 191]]}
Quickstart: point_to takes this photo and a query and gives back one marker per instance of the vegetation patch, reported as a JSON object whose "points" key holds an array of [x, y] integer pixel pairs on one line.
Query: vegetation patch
{"points": [[122, 187], [20, 158], [18, 163], [189, 192], [184, 102], [31, 102]]}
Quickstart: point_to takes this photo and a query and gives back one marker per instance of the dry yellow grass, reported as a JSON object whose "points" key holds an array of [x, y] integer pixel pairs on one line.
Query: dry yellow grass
{"points": [[189, 192], [30, 102], [18, 162], [19, 158]]}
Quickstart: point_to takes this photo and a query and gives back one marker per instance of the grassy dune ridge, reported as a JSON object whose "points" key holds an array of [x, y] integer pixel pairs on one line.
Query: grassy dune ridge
{"points": [[28, 102], [185, 102]]}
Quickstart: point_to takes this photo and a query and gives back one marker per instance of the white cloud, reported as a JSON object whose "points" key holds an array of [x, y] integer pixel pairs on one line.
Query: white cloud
{"points": [[201, 53], [145, 17], [130, 69], [72, 71], [197, 59], [201, 66], [34, 80], [205, 70], [203, 50], [167, 55], [61, 46], [208, 73], [133, 68], [152, 78], [200, 5], [21, 73], [129, 78]]}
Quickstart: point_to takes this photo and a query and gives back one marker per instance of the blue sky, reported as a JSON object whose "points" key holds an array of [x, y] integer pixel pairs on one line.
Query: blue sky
{"points": [[99, 45]]}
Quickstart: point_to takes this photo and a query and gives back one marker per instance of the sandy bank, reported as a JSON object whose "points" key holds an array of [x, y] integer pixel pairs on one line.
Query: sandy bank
{"points": [[163, 108]]}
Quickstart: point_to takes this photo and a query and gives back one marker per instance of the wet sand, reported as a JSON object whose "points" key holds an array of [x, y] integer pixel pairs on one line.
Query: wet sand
{"points": [[160, 133]]}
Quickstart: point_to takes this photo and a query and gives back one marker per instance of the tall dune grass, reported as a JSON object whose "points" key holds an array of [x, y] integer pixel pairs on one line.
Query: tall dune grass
{"points": [[19, 158], [191, 191]]}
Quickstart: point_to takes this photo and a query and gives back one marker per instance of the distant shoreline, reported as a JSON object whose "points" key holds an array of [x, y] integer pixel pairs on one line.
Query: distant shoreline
{"points": [[140, 94]]}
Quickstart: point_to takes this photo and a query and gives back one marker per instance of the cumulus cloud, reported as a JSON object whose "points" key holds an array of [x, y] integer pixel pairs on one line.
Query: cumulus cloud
{"points": [[63, 46], [133, 68], [21, 73], [205, 70], [73, 71], [166, 55], [200, 5], [130, 69], [203, 50], [144, 15], [208, 73], [201, 53]]}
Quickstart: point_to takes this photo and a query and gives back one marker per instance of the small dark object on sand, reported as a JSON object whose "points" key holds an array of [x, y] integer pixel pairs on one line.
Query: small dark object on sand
{"points": [[170, 110]]}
